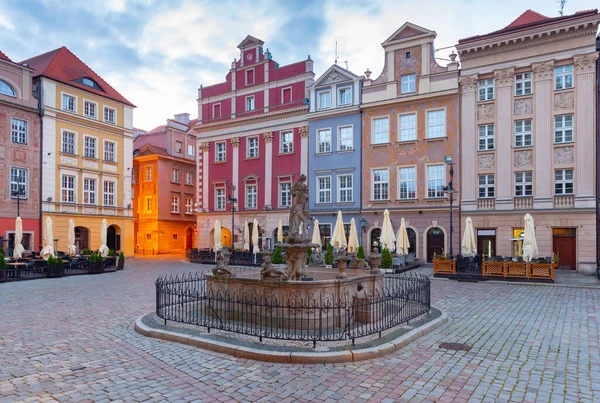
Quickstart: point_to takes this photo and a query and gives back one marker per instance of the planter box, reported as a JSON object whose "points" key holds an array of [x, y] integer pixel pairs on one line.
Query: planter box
{"points": [[444, 266], [57, 270], [2, 275], [121, 264], [96, 267]]}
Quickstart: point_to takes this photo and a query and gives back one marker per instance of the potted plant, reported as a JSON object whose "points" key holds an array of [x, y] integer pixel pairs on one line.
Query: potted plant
{"points": [[96, 264], [386, 259], [86, 252], [277, 256], [329, 256], [112, 258], [2, 267], [121, 261], [56, 267]]}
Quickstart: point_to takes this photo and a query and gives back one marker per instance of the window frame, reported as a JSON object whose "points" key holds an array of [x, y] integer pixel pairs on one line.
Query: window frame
{"points": [[175, 204], [487, 138], [429, 126], [383, 189], [114, 120], [410, 84], [62, 102], [522, 135], [438, 194], [283, 90], [246, 74], [280, 193], [18, 133], [175, 175], [525, 78], [375, 133], [221, 155], [349, 190], [86, 148], [189, 207], [325, 192], [523, 184], [250, 147], [282, 142], [562, 75], [339, 94], [325, 143], [87, 102], [251, 196], [24, 183], [564, 182], [486, 84], [62, 139], [189, 178], [486, 186], [146, 171], [112, 195], [400, 128], [351, 140], [251, 104], [6, 84], [90, 192], [70, 191], [319, 103], [563, 129], [114, 150], [190, 150], [213, 110], [148, 204], [219, 196], [407, 181]]}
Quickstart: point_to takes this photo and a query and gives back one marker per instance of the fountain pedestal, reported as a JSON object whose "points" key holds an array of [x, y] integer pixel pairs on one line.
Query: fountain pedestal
{"points": [[295, 256]]}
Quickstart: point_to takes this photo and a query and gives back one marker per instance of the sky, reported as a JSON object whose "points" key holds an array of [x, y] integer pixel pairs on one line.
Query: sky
{"points": [[157, 53]]}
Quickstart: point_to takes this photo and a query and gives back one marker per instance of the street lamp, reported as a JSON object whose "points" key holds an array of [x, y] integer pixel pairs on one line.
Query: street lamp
{"points": [[19, 192], [449, 190], [363, 225], [231, 199]]}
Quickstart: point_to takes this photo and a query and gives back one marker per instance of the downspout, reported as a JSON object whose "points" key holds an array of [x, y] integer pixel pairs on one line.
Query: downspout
{"points": [[597, 159], [460, 175], [41, 114]]}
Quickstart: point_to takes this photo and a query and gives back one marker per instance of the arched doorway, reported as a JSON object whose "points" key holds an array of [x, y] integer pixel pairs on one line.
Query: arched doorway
{"points": [[225, 237], [189, 238], [435, 242], [113, 237], [82, 238], [284, 229], [374, 241], [412, 240]]}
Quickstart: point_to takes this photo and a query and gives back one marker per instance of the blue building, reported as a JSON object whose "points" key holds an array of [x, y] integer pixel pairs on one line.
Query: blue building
{"points": [[334, 152]]}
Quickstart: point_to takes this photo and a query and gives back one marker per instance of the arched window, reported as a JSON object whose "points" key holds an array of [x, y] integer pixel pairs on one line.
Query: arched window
{"points": [[412, 240], [6, 89], [87, 81], [375, 235]]}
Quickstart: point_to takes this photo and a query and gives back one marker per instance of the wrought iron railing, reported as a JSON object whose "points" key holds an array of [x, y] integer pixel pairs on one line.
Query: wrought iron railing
{"points": [[185, 299], [207, 256]]}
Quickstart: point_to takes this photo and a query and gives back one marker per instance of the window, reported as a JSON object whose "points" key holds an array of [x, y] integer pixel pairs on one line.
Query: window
{"points": [[486, 137], [407, 127], [6, 89], [381, 130], [287, 142], [175, 236], [109, 115], [407, 55], [486, 89], [190, 150], [407, 178], [435, 180], [563, 129], [68, 143], [148, 172], [175, 175], [324, 99], [220, 199], [18, 129], [221, 152], [148, 204], [188, 205], [252, 147], [18, 182], [486, 186], [89, 109], [324, 189], [216, 110], [563, 77], [68, 189], [250, 103], [174, 204], [285, 194], [188, 178], [563, 182], [109, 151], [346, 138], [408, 83], [249, 76], [251, 196], [109, 193], [344, 188], [436, 124], [89, 149], [87, 81], [89, 191], [178, 147], [523, 133], [69, 103], [324, 141], [286, 95], [380, 181], [523, 184], [523, 84], [345, 96]]}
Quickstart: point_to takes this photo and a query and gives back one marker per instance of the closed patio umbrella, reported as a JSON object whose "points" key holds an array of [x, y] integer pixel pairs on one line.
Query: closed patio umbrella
{"points": [[217, 237], [530, 249], [279, 232], [103, 249], [255, 248], [246, 237], [338, 238], [468, 247], [71, 248], [19, 249], [387, 237], [316, 235], [48, 249], [353, 238], [402, 242]]}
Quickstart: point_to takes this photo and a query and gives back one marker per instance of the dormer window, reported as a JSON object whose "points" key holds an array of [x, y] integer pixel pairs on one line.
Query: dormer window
{"points": [[324, 99], [408, 83], [6, 89], [87, 81], [345, 96]]}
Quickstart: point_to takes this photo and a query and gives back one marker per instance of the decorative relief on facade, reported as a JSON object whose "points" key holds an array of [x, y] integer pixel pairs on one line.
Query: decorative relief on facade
{"points": [[68, 209], [523, 106], [563, 155], [109, 168], [333, 77], [586, 63], [20, 155], [543, 71], [504, 77], [90, 210], [564, 100], [2, 152], [486, 112], [523, 159], [68, 160], [268, 137], [235, 142], [109, 211], [487, 161], [90, 164], [205, 146], [303, 131]]}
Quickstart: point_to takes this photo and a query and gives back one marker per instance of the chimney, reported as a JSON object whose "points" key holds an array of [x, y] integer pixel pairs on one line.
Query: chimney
{"points": [[183, 118]]}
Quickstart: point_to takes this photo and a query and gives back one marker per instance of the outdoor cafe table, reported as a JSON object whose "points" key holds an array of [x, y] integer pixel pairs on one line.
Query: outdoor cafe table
{"points": [[18, 266]]}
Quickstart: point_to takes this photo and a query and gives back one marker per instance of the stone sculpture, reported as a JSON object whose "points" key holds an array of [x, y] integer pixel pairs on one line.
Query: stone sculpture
{"points": [[268, 270], [298, 212], [316, 259], [375, 257], [222, 271]]}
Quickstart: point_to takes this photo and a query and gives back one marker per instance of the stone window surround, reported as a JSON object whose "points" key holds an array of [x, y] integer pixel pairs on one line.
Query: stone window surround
{"points": [[415, 180], [323, 191], [373, 119], [318, 142]]}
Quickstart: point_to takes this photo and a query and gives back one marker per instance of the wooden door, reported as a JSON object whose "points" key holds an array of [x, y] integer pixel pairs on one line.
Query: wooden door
{"points": [[435, 243], [486, 245], [565, 247], [189, 241]]}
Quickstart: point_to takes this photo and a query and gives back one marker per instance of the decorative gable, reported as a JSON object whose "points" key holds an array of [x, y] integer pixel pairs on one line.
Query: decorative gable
{"points": [[334, 74], [408, 30], [250, 41]]}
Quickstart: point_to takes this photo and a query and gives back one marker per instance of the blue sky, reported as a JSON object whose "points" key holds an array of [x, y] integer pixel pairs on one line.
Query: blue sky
{"points": [[158, 52]]}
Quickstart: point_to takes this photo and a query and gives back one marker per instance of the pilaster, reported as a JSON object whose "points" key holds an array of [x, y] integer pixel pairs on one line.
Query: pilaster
{"points": [[268, 137], [235, 166], [503, 80], [303, 150], [468, 153], [203, 174]]}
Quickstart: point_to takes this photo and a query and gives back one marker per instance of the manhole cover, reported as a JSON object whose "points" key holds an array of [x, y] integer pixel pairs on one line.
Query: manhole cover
{"points": [[455, 346]]}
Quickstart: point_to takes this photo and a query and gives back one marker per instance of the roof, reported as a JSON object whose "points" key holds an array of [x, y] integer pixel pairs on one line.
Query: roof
{"points": [[530, 19], [157, 129], [249, 41], [148, 149], [63, 66], [4, 57]]}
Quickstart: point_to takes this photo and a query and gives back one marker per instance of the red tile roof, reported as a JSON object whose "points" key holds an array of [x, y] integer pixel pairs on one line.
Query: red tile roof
{"points": [[528, 17], [63, 66], [4, 57]]}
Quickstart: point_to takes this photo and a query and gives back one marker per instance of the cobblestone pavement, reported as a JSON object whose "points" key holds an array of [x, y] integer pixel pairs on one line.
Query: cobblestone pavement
{"points": [[71, 339]]}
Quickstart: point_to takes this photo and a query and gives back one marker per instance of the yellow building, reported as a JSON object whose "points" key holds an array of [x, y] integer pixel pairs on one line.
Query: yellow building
{"points": [[87, 152]]}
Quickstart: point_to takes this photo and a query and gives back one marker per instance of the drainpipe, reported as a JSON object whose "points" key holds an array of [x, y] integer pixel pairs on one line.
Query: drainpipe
{"points": [[41, 114], [597, 159]]}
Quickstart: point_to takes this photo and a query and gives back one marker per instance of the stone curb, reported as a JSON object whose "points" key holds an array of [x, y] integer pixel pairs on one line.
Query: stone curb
{"points": [[527, 283], [292, 357]]}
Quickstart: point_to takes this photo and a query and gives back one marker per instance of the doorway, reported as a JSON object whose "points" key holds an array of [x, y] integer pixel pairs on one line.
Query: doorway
{"points": [[113, 238], [435, 243], [189, 238], [486, 242], [564, 245], [375, 235], [82, 236]]}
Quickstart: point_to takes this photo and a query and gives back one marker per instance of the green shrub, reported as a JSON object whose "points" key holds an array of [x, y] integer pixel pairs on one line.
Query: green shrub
{"points": [[361, 253], [277, 256], [54, 261], [122, 257], [386, 259], [2, 260], [1, 250], [86, 251], [95, 258], [111, 252], [329, 254]]}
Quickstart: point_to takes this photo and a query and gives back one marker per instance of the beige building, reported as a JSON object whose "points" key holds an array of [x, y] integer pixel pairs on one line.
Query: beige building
{"points": [[528, 143]]}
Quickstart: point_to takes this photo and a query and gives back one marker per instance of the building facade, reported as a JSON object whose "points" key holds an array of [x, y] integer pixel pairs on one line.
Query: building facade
{"points": [[335, 146], [252, 144], [164, 179], [528, 125], [87, 152], [410, 119], [20, 147]]}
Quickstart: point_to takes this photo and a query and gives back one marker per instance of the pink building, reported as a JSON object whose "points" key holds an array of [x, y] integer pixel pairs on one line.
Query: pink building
{"points": [[252, 143]]}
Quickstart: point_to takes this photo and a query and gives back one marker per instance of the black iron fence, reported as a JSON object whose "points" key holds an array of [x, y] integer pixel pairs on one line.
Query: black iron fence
{"points": [[30, 270], [186, 299], [236, 258]]}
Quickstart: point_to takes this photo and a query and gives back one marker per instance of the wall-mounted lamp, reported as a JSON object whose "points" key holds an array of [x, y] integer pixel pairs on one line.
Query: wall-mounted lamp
{"points": [[49, 199], [363, 225]]}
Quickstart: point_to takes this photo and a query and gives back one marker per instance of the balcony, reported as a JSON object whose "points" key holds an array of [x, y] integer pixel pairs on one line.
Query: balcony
{"points": [[486, 204], [564, 201], [523, 203]]}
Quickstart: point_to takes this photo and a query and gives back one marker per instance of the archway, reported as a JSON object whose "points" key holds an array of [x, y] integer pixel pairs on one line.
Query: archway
{"points": [[435, 242], [412, 240], [113, 237], [374, 239], [225, 238], [82, 238], [284, 229]]}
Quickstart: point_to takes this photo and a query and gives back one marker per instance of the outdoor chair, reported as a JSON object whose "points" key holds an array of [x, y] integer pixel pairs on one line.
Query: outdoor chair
{"points": [[410, 258]]}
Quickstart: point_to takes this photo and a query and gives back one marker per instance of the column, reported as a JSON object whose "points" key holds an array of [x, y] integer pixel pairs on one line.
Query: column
{"points": [[543, 75], [235, 166], [468, 152], [303, 150], [268, 137], [503, 80], [203, 176]]}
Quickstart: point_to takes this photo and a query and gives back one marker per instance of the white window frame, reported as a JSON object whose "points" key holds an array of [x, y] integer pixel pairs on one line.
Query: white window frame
{"points": [[434, 126], [523, 137], [19, 130], [114, 115], [283, 92], [339, 91], [327, 146], [437, 193], [282, 144], [148, 169], [179, 147], [561, 73], [347, 190], [220, 110], [488, 93], [189, 205], [70, 190], [220, 198], [564, 181], [521, 81], [175, 175], [384, 185], [488, 186], [562, 130], [524, 184], [402, 130], [62, 100], [409, 182], [323, 193], [62, 139], [341, 145], [246, 73], [381, 134], [174, 204], [190, 150], [320, 105], [16, 183], [90, 192], [148, 205], [87, 102], [250, 103], [486, 137], [251, 201], [220, 155], [86, 148], [7, 89], [408, 83], [189, 178], [280, 193], [252, 150], [114, 151], [109, 193]]}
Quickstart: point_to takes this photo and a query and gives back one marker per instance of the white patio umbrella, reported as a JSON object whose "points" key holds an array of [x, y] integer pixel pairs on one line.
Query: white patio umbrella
{"points": [[255, 248], [353, 238], [279, 232], [316, 235], [103, 249], [530, 249], [217, 237], [468, 247], [246, 237], [387, 237], [19, 249], [338, 238], [402, 242], [48, 249], [71, 248]]}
